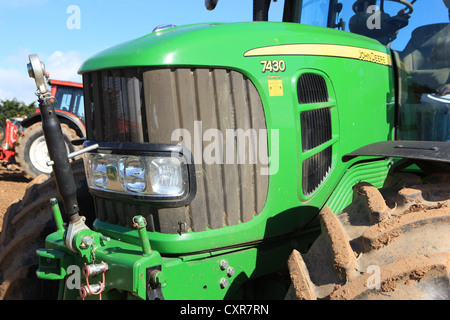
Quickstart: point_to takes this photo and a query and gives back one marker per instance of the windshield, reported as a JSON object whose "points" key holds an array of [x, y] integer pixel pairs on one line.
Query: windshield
{"points": [[315, 12], [425, 12], [70, 99]]}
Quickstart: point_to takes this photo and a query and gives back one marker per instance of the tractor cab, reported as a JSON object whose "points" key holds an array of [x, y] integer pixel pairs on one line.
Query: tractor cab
{"points": [[418, 33], [69, 97]]}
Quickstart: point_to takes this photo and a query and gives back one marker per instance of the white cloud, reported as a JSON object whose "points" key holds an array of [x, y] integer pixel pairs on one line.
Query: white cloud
{"points": [[64, 65], [15, 83], [17, 56]]}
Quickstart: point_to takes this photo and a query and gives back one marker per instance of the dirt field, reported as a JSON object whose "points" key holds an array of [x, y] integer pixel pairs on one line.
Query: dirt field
{"points": [[12, 188]]}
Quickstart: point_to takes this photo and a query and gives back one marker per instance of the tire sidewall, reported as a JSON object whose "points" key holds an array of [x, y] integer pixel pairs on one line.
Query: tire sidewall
{"points": [[36, 133]]}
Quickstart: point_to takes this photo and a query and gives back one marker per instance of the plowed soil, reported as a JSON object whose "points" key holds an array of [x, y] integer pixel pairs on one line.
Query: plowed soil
{"points": [[12, 188]]}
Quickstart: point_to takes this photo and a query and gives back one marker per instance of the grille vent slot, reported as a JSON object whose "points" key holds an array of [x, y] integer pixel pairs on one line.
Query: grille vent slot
{"points": [[315, 127], [315, 170], [114, 104], [311, 88]]}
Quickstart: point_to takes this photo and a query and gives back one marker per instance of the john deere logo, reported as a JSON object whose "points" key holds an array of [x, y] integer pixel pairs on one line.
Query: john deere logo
{"points": [[111, 173]]}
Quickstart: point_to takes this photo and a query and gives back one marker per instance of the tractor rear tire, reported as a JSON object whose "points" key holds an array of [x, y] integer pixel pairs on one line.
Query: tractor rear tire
{"points": [[391, 243], [25, 227], [31, 149]]}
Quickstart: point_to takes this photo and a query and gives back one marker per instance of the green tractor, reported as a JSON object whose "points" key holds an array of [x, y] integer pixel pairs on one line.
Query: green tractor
{"points": [[256, 160]]}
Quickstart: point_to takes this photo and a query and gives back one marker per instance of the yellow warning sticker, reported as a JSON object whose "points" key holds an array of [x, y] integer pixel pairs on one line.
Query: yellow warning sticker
{"points": [[275, 88]]}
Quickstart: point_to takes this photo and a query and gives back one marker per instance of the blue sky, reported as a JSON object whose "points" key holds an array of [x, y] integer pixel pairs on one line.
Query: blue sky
{"points": [[40, 26]]}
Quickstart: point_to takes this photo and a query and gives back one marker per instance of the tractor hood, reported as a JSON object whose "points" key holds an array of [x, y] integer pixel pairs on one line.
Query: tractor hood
{"points": [[217, 44]]}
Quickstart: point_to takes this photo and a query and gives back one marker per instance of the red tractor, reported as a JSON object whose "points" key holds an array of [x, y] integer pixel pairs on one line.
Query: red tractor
{"points": [[30, 149], [8, 136]]}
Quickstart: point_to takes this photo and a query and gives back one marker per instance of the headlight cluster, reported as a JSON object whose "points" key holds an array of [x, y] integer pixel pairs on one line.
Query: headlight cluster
{"points": [[140, 172]]}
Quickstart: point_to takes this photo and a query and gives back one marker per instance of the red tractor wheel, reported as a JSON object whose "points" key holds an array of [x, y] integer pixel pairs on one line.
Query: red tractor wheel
{"points": [[32, 153]]}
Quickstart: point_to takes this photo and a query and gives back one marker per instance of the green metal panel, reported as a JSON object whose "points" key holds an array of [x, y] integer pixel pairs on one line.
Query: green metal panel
{"points": [[360, 85], [209, 44], [361, 101]]}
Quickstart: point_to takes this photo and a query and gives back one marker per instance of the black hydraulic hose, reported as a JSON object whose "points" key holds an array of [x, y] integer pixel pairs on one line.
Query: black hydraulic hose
{"points": [[261, 10], [57, 152]]}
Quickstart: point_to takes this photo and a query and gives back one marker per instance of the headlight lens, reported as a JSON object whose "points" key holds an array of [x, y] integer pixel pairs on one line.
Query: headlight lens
{"points": [[98, 171], [137, 175], [132, 174], [166, 176], [147, 174]]}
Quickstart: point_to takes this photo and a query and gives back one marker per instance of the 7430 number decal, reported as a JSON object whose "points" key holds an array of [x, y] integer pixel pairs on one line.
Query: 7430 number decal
{"points": [[273, 65]]}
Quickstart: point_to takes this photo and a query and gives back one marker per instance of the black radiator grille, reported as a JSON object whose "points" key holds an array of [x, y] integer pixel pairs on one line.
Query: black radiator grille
{"points": [[114, 100], [311, 88], [315, 170], [315, 128], [147, 105]]}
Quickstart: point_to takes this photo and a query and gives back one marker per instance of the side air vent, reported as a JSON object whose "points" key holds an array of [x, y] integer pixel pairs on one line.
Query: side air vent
{"points": [[311, 88], [316, 127], [315, 170]]}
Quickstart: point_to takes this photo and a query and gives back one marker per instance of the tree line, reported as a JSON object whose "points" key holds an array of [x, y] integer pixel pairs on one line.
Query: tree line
{"points": [[14, 108]]}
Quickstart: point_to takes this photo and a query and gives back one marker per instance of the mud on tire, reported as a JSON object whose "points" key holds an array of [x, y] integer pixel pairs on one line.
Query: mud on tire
{"points": [[392, 243], [25, 227]]}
